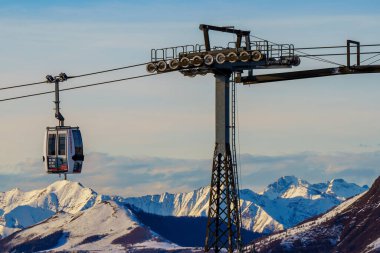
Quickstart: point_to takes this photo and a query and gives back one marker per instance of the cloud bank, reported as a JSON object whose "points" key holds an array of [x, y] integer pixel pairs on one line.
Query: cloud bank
{"points": [[135, 176]]}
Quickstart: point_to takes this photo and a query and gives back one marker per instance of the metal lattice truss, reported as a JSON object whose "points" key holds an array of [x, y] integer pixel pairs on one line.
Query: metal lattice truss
{"points": [[223, 226]]}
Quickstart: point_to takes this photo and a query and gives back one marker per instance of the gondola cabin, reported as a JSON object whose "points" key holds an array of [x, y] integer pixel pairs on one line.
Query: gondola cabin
{"points": [[63, 150]]}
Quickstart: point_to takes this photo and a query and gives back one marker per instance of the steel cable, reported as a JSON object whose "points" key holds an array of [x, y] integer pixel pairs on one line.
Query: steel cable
{"points": [[22, 85], [79, 87], [76, 76], [305, 54]]}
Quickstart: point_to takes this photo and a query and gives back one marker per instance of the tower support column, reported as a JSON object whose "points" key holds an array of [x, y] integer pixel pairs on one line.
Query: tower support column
{"points": [[223, 226]]}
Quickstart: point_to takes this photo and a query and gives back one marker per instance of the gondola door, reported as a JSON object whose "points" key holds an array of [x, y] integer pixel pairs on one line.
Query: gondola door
{"points": [[56, 151], [50, 150], [76, 156], [62, 151]]}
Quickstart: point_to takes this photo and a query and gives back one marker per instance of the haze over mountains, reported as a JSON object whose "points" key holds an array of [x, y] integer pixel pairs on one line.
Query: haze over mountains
{"points": [[72, 216]]}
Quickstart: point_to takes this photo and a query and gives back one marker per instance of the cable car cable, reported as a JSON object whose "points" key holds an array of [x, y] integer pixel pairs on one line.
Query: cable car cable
{"points": [[142, 64], [374, 62], [316, 58], [76, 76], [21, 85], [79, 87], [112, 81], [108, 70], [337, 54], [313, 57], [328, 47], [370, 58], [305, 54], [320, 59]]}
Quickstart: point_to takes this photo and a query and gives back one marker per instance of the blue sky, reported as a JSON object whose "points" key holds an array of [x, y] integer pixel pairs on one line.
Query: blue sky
{"points": [[170, 117]]}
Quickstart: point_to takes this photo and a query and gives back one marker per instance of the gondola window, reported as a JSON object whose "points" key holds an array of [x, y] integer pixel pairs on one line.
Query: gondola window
{"points": [[51, 147], [62, 144]]}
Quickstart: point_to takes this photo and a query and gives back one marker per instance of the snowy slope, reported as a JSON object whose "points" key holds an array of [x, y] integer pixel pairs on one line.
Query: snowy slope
{"points": [[353, 226], [289, 236], [66, 216], [283, 204], [103, 227], [374, 246], [340, 188], [22, 209], [182, 204]]}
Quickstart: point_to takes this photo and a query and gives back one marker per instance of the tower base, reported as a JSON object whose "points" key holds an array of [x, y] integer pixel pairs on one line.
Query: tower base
{"points": [[223, 226]]}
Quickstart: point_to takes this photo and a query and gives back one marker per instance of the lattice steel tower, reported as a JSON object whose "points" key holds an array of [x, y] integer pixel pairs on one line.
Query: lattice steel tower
{"points": [[223, 226], [224, 220]]}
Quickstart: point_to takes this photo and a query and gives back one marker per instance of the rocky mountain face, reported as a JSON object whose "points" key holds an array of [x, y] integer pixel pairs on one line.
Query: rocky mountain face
{"points": [[283, 204], [353, 226]]}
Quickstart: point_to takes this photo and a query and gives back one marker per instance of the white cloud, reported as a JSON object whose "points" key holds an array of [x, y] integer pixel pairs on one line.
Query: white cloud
{"points": [[134, 176]]}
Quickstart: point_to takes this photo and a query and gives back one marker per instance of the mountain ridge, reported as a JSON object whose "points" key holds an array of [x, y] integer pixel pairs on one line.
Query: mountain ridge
{"points": [[103, 227], [353, 226], [19, 209], [297, 198]]}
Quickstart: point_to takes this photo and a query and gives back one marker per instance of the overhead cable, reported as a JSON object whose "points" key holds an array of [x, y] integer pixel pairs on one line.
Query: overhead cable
{"points": [[76, 76], [328, 47], [79, 87], [108, 70], [374, 62], [305, 54], [21, 85], [337, 54], [370, 58]]}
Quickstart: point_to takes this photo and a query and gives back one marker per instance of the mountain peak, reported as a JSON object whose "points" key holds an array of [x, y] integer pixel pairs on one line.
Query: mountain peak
{"points": [[286, 187], [289, 178], [286, 181], [21, 209], [353, 226], [59, 184], [337, 181], [15, 190], [341, 188]]}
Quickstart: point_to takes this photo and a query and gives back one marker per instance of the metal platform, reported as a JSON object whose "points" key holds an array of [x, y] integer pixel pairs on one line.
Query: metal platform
{"points": [[196, 59]]}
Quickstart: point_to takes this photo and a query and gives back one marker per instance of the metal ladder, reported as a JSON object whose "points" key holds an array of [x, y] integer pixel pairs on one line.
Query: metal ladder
{"points": [[233, 144]]}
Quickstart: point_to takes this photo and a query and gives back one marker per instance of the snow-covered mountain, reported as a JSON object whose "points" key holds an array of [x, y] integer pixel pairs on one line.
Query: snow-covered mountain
{"points": [[103, 227], [19, 209], [59, 209], [353, 226], [66, 216], [283, 204]]}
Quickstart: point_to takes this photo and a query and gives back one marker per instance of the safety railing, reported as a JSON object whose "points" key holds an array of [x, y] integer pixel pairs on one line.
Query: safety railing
{"points": [[270, 50]]}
